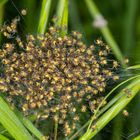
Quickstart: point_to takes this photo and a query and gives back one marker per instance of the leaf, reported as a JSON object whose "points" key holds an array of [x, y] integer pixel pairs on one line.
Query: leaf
{"points": [[97, 113], [10, 121], [3, 137], [28, 124], [45, 10], [62, 15], [137, 138], [3, 2], [134, 87], [134, 67], [106, 107]]}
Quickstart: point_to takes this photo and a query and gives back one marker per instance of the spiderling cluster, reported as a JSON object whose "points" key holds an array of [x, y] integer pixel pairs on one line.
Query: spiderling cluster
{"points": [[57, 77]]}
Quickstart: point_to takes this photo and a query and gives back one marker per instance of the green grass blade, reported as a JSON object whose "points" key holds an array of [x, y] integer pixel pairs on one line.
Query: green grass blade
{"points": [[59, 13], [134, 88], [117, 127], [106, 107], [100, 112], [112, 101], [10, 121], [74, 16], [3, 137], [28, 124], [129, 38], [32, 128], [64, 23], [105, 31], [45, 10], [62, 16], [137, 138], [3, 2], [134, 67]]}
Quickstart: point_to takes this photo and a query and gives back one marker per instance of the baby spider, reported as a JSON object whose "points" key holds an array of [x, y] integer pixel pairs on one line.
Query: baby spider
{"points": [[24, 12], [115, 64], [125, 113]]}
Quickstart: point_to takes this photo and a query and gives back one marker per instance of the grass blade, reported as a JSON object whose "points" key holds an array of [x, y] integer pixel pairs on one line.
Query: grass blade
{"points": [[129, 25], [3, 137], [106, 107], [64, 23], [134, 87], [10, 121], [105, 31], [100, 112], [2, 2], [137, 138], [62, 15], [117, 128], [45, 10], [59, 13], [112, 101], [28, 124], [134, 67]]}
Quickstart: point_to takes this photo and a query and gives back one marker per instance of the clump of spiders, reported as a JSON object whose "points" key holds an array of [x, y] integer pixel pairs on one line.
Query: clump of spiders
{"points": [[59, 78]]}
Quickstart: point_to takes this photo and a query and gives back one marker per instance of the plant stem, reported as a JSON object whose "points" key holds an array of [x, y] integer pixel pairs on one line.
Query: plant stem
{"points": [[62, 15], [11, 122], [105, 31], [59, 13], [64, 23], [77, 133], [117, 97], [109, 104], [117, 128], [2, 2], [134, 87], [28, 124], [129, 26], [134, 67], [105, 98], [45, 10], [55, 130], [1, 18]]}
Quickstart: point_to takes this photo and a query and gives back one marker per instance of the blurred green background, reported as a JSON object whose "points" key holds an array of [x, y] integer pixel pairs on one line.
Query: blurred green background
{"points": [[123, 18]]}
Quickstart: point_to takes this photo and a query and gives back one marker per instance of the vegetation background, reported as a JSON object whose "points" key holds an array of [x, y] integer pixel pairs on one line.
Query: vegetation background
{"points": [[123, 17]]}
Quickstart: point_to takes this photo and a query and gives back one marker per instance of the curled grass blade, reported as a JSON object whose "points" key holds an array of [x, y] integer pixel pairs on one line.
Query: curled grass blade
{"points": [[11, 122], [105, 31], [134, 88], [44, 15]]}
